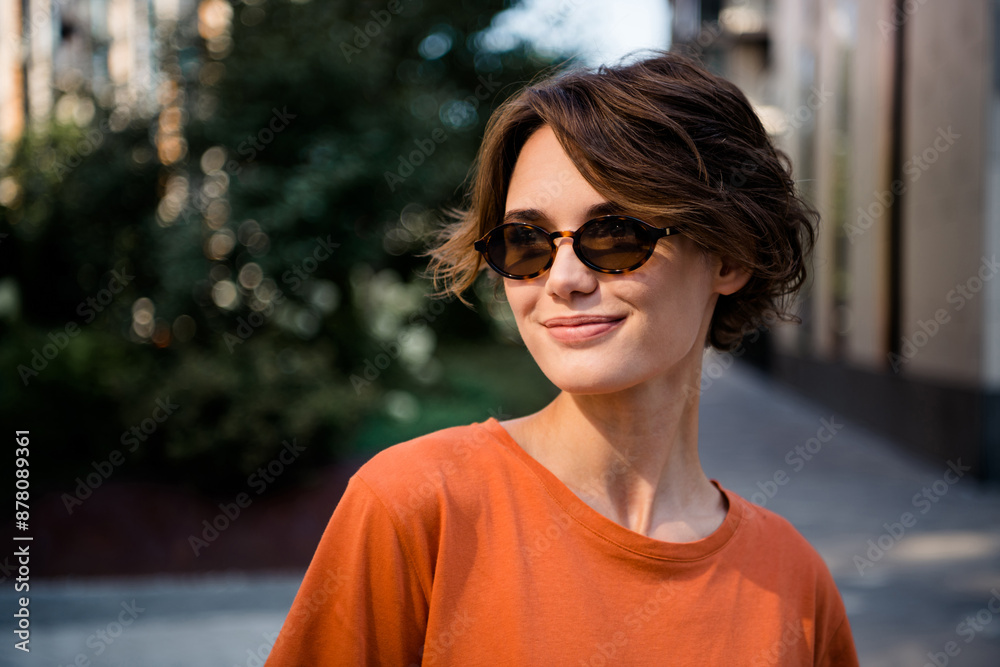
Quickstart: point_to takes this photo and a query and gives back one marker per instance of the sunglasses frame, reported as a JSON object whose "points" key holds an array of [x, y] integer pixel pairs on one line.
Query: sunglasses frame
{"points": [[482, 245]]}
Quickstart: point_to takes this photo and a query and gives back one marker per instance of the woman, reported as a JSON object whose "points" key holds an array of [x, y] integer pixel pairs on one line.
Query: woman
{"points": [[636, 215]]}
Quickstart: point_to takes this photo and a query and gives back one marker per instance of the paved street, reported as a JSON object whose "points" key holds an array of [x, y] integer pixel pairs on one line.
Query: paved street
{"points": [[914, 546], [911, 594]]}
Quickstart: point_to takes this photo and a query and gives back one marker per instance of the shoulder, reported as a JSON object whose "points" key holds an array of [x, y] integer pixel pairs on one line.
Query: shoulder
{"points": [[783, 561], [440, 463], [441, 449], [770, 538]]}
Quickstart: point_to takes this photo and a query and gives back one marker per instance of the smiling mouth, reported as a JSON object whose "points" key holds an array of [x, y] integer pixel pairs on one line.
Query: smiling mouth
{"points": [[579, 329]]}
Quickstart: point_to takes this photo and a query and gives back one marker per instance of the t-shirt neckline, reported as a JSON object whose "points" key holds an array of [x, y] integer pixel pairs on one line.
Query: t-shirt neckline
{"points": [[613, 532]]}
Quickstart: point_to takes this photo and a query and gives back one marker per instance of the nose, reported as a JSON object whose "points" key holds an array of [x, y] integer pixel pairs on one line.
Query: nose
{"points": [[567, 273]]}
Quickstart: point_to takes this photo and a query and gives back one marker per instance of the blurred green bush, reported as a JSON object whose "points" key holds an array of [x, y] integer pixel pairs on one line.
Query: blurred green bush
{"points": [[265, 283]]}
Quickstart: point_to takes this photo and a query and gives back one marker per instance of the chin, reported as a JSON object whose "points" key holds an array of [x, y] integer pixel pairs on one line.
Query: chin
{"points": [[608, 369], [592, 378]]}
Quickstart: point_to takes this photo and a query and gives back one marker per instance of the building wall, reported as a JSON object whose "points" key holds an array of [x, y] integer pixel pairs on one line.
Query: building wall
{"points": [[866, 218], [831, 32], [944, 219], [947, 334], [911, 201], [991, 237]]}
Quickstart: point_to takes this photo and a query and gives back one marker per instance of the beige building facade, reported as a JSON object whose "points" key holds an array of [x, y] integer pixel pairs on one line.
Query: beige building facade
{"points": [[890, 111]]}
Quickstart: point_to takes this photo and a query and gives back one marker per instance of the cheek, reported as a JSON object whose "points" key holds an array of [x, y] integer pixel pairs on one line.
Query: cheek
{"points": [[521, 296], [675, 305]]}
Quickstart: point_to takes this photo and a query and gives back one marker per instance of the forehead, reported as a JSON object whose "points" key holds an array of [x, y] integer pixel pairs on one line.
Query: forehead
{"points": [[546, 180]]}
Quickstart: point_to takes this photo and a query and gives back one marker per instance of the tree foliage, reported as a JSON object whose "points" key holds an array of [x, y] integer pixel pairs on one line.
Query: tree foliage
{"points": [[266, 282]]}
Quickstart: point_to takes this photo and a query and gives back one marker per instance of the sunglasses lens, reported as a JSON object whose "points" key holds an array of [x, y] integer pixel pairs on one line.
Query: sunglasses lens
{"points": [[519, 250], [616, 243]]}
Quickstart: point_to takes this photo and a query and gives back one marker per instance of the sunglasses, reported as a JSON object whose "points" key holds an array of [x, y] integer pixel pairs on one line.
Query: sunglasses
{"points": [[609, 244]]}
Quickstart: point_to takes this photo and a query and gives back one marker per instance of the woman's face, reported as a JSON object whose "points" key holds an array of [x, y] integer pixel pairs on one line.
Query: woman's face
{"points": [[591, 332]]}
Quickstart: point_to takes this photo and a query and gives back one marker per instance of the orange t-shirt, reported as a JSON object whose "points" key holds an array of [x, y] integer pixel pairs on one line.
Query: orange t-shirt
{"points": [[458, 548]]}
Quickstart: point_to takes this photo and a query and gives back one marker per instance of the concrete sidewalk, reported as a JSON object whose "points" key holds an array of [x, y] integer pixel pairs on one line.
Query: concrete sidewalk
{"points": [[914, 547]]}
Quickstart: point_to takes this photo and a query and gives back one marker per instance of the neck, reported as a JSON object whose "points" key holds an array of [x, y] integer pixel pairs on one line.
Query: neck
{"points": [[631, 455]]}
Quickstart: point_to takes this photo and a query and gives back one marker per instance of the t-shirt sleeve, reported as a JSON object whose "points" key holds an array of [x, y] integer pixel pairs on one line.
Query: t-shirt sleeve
{"points": [[840, 650], [835, 643], [361, 601]]}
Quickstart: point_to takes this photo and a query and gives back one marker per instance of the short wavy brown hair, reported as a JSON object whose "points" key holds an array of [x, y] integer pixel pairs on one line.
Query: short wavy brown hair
{"points": [[670, 140]]}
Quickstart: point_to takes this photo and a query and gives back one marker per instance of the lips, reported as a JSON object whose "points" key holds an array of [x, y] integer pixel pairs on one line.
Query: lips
{"points": [[581, 328]]}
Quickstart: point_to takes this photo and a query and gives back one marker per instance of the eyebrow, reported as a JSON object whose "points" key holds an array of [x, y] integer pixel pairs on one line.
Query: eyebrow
{"points": [[534, 215]]}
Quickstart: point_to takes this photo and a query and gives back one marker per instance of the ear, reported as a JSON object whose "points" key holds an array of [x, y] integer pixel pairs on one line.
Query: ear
{"points": [[727, 276]]}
